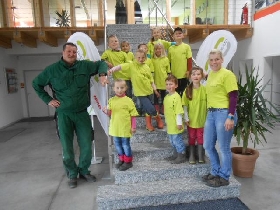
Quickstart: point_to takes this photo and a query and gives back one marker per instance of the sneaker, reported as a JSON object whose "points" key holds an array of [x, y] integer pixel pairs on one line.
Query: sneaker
{"points": [[125, 166], [181, 158], [117, 165], [72, 183], [217, 182], [88, 177], [171, 158], [207, 177]]}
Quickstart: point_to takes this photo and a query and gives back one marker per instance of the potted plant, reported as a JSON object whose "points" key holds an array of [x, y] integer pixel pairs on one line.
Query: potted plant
{"points": [[256, 116]]}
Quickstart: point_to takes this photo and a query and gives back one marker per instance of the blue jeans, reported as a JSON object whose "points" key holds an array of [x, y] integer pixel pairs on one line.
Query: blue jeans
{"points": [[176, 140], [147, 105], [122, 145], [214, 130]]}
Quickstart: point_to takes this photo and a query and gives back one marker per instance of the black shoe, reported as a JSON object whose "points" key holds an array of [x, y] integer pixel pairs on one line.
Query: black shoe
{"points": [[125, 166], [208, 177], [217, 182], [117, 165], [72, 183], [88, 177]]}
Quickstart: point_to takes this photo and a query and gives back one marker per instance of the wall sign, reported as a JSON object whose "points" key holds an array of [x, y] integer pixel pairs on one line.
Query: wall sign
{"points": [[11, 80]]}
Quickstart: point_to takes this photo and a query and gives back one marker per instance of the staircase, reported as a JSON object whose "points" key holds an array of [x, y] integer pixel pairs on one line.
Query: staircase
{"points": [[133, 33], [152, 181]]}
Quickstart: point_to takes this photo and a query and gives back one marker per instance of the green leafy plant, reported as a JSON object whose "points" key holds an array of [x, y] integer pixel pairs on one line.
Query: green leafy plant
{"points": [[256, 114], [63, 18]]}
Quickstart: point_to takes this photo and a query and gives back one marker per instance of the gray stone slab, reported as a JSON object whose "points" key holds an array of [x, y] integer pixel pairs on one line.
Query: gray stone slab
{"points": [[150, 151], [142, 135], [150, 171], [182, 190]]}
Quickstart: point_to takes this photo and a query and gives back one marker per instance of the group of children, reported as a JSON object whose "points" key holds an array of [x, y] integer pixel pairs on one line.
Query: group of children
{"points": [[159, 82]]}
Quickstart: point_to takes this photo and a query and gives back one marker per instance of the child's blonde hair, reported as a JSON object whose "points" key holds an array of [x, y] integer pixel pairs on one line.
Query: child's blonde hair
{"points": [[189, 89], [163, 53], [218, 52], [141, 51], [119, 80]]}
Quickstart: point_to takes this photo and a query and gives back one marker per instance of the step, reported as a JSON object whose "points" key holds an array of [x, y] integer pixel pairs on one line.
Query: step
{"points": [[128, 27], [150, 171], [149, 151], [174, 191], [142, 135]]}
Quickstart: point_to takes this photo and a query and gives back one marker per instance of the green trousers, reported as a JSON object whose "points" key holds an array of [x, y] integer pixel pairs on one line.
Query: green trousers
{"points": [[80, 123]]}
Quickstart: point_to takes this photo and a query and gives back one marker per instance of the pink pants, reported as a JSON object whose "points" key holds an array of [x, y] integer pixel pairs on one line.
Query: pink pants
{"points": [[195, 133]]}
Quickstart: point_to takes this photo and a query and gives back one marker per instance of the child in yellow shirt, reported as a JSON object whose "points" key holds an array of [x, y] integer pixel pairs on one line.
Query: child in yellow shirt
{"points": [[113, 57], [122, 123], [161, 71], [143, 86], [173, 111], [195, 108], [125, 46]]}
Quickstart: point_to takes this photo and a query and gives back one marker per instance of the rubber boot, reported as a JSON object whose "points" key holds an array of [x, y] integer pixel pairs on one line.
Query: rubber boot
{"points": [[127, 163], [161, 110], [149, 126], [192, 154], [160, 124], [173, 157], [201, 158], [121, 161], [181, 158]]}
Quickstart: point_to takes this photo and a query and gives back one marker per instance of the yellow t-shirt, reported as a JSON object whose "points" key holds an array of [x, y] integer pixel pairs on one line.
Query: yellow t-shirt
{"points": [[130, 56], [116, 58], [172, 107], [123, 109], [141, 78], [178, 56], [218, 85], [149, 62], [151, 46], [162, 68], [197, 107]]}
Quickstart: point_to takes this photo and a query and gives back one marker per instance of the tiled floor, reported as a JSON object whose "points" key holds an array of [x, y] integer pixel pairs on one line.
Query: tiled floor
{"points": [[32, 176]]}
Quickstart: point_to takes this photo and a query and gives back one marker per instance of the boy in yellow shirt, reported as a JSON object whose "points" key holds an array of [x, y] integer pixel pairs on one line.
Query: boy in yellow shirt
{"points": [[173, 111], [180, 57], [113, 57]]}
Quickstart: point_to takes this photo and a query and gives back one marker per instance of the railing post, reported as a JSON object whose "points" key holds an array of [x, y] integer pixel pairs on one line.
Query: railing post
{"points": [[130, 11]]}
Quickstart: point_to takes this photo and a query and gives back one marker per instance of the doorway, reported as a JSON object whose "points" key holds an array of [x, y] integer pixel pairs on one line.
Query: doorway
{"points": [[35, 106]]}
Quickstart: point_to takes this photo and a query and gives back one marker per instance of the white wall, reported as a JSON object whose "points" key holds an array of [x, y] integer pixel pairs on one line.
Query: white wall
{"points": [[264, 43], [10, 104]]}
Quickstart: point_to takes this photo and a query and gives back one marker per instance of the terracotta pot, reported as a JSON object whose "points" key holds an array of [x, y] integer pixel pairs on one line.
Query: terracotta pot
{"points": [[243, 165]]}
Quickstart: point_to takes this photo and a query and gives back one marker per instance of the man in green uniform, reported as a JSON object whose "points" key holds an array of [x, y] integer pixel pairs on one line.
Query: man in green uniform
{"points": [[69, 79]]}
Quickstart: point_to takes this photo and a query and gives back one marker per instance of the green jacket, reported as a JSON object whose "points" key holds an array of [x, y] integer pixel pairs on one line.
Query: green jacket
{"points": [[69, 83]]}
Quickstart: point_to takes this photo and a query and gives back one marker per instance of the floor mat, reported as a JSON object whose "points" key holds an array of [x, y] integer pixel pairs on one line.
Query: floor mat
{"points": [[221, 204], [7, 134]]}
